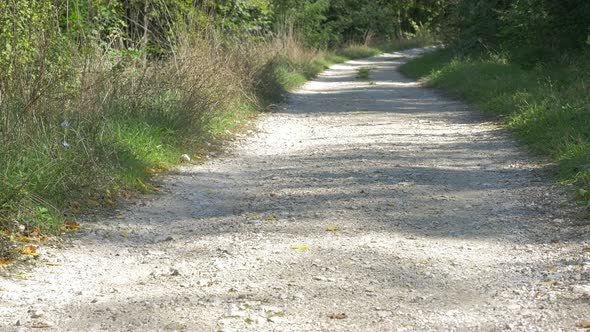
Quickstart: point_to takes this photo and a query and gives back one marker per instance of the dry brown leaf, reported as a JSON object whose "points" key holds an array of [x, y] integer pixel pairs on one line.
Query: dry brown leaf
{"points": [[30, 250], [552, 269], [555, 241], [71, 225], [583, 324], [5, 261], [338, 316]]}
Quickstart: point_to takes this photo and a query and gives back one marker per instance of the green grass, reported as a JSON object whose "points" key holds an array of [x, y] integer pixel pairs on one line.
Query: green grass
{"points": [[364, 73], [352, 52], [547, 107]]}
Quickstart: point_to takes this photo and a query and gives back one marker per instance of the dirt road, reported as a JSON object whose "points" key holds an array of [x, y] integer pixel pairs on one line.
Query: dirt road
{"points": [[364, 205]]}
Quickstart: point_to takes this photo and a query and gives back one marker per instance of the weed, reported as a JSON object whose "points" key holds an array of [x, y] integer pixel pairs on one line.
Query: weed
{"points": [[364, 73]]}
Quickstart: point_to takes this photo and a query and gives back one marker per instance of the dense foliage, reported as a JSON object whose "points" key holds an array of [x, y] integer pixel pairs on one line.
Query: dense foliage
{"points": [[529, 30]]}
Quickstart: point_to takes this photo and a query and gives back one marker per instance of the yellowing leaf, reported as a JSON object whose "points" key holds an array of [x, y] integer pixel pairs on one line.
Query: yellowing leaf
{"points": [[71, 225], [332, 229], [270, 218], [141, 184], [29, 250], [25, 239], [54, 264], [92, 202], [5, 261], [587, 248], [125, 235], [301, 247]]}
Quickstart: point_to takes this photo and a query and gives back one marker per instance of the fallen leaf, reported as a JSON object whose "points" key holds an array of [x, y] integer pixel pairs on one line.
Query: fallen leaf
{"points": [[5, 261], [54, 264], [92, 202], [550, 283], [338, 316], [300, 247], [25, 239], [274, 195], [30, 250], [270, 218], [110, 203], [587, 248], [71, 225], [539, 294], [552, 269], [583, 324], [120, 216], [125, 235], [332, 229], [555, 241], [40, 326], [248, 321]]}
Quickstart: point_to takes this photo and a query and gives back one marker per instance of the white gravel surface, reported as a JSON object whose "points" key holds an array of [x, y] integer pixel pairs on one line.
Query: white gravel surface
{"points": [[442, 223]]}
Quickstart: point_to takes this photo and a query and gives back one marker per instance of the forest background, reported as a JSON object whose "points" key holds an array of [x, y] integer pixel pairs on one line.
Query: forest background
{"points": [[97, 96]]}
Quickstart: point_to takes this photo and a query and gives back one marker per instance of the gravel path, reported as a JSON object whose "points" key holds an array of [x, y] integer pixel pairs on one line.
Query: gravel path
{"points": [[364, 205]]}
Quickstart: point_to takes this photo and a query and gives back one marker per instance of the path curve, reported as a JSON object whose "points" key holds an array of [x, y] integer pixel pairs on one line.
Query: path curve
{"points": [[438, 222]]}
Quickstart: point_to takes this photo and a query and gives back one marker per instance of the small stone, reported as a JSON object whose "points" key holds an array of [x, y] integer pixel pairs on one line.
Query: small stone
{"points": [[185, 158], [37, 313], [583, 290]]}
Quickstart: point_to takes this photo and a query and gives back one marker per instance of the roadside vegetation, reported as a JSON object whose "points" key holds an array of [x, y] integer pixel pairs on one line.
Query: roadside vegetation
{"points": [[529, 63], [97, 96]]}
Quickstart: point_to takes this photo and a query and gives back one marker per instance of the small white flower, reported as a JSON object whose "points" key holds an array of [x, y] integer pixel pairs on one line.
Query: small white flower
{"points": [[65, 124], [65, 144]]}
